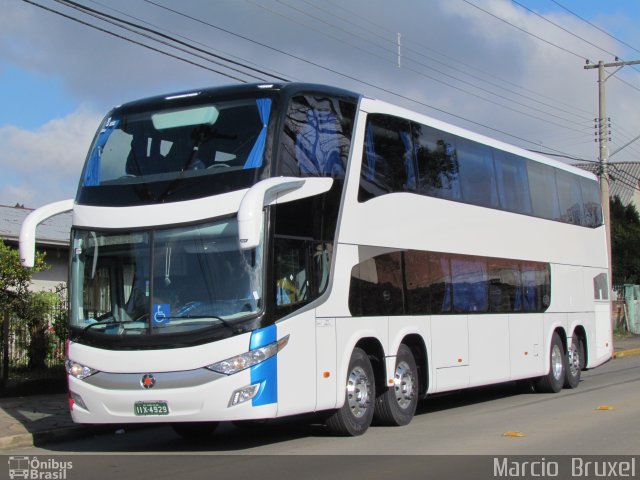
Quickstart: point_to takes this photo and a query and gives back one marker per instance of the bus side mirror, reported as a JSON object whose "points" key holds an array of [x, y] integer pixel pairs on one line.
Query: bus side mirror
{"points": [[268, 192], [28, 229]]}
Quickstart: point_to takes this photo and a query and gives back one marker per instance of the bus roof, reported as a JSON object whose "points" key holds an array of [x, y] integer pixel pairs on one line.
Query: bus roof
{"points": [[288, 89]]}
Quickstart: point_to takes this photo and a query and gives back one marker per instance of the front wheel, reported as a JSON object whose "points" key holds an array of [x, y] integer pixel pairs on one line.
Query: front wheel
{"points": [[354, 417], [397, 404], [575, 362], [553, 381]]}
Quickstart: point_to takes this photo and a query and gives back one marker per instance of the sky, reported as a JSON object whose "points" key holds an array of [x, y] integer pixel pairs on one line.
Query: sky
{"points": [[513, 70]]}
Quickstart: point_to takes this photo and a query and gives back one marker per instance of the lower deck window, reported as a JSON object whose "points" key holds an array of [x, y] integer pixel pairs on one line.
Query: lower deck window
{"points": [[412, 282]]}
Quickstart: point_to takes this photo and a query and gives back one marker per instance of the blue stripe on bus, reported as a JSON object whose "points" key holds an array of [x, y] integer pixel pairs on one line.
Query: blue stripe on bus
{"points": [[265, 373]]}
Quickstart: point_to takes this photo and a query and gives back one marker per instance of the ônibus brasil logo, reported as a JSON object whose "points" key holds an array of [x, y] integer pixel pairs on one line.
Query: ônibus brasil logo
{"points": [[33, 468]]}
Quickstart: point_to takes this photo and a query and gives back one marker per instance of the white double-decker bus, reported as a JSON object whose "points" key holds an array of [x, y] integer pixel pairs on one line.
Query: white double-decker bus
{"points": [[260, 251]]}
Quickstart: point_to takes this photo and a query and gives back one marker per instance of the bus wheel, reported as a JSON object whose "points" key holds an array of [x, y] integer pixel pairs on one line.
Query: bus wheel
{"points": [[575, 362], [397, 404], [553, 381], [355, 416], [195, 430]]}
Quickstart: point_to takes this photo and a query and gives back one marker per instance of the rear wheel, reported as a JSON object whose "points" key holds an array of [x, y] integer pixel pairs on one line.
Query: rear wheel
{"points": [[195, 430], [575, 362], [355, 416], [553, 381], [397, 404]]}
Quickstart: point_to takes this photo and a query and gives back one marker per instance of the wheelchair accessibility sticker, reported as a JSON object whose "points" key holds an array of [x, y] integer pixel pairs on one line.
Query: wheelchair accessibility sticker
{"points": [[161, 313]]}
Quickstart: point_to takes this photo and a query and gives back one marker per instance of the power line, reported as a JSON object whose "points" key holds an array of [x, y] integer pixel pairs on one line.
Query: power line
{"points": [[430, 67], [526, 31], [149, 47], [562, 155], [380, 88], [359, 15], [595, 26], [445, 83], [628, 179], [193, 41], [125, 24], [344, 75], [562, 28], [583, 39]]}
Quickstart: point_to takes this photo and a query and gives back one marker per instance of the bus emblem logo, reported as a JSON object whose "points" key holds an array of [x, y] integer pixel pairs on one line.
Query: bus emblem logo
{"points": [[147, 381]]}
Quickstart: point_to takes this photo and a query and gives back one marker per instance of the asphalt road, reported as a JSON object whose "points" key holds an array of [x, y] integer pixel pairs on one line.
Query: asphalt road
{"points": [[472, 422]]}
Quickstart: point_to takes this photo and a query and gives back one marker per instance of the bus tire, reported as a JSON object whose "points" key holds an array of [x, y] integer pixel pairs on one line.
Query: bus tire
{"points": [[194, 431], [354, 417], [553, 381], [575, 362], [396, 405]]}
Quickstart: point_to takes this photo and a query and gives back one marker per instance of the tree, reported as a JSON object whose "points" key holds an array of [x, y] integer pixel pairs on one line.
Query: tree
{"points": [[15, 298], [36, 315], [625, 243], [15, 279]]}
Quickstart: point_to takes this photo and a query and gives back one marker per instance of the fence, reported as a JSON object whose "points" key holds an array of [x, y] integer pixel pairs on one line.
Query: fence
{"points": [[32, 355], [632, 302]]}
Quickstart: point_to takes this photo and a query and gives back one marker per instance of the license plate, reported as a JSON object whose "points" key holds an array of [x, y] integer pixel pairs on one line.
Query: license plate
{"points": [[151, 408]]}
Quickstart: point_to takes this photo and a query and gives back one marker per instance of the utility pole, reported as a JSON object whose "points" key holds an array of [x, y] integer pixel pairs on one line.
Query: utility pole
{"points": [[604, 149]]}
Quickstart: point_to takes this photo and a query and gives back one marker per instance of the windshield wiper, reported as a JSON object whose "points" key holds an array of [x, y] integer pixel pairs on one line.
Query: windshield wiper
{"points": [[106, 324], [201, 317]]}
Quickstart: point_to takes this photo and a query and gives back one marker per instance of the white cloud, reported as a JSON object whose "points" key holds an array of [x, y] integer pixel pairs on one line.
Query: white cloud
{"points": [[445, 35], [13, 194], [43, 165]]}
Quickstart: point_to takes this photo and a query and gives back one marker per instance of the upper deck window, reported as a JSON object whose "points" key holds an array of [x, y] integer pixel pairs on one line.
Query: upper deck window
{"points": [[176, 153], [193, 146], [403, 156], [316, 137]]}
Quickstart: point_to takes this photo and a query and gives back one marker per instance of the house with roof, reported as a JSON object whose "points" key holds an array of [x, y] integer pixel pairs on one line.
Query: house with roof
{"points": [[52, 237], [623, 180]]}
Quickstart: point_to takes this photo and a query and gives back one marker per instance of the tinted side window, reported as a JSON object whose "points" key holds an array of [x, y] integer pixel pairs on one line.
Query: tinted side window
{"points": [[376, 286], [536, 287], [513, 184], [477, 177], [387, 158], [570, 197], [418, 282], [437, 162], [505, 292], [316, 137], [428, 282], [591, 200], [544, 195], [600, 287], [470, 288]]}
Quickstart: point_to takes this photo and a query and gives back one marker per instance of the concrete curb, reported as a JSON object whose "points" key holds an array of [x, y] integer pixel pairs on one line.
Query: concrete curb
{"points": [[627, 353]]}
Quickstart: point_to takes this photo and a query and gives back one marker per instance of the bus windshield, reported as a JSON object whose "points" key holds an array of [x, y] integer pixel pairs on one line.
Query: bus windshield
{"points": [[164, 152], [161, 282]]}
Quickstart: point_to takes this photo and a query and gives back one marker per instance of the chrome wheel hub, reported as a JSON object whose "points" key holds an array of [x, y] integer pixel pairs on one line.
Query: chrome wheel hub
{"points": [[358, 392], [404, 385], [556, 362], [574, 359]]}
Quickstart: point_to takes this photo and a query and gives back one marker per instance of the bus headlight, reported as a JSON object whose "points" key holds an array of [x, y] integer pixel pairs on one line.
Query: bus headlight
{"points": [[78, 370], [249, 359]]}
